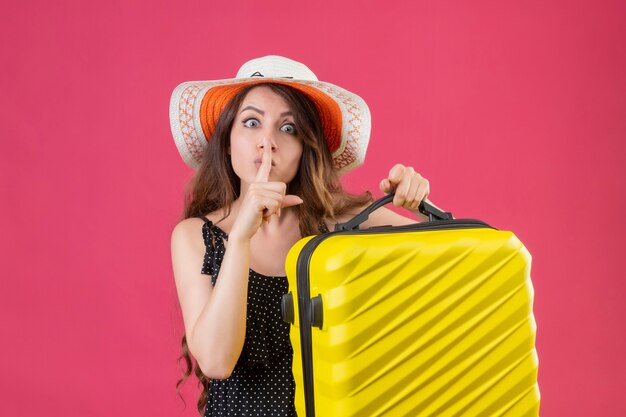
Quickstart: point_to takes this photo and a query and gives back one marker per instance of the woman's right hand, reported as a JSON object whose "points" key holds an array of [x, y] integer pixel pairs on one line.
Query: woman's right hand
{"points": [[263, 200]]}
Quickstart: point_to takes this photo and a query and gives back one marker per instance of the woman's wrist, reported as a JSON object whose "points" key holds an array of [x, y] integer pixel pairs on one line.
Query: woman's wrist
{"points": [[236, 239]]}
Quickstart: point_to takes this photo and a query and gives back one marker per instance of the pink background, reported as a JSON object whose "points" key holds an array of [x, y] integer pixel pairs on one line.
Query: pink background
{"points": [[515, 111]]}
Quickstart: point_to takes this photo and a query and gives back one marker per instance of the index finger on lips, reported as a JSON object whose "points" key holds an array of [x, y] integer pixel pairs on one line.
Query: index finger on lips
{"points": [[263, 174]]}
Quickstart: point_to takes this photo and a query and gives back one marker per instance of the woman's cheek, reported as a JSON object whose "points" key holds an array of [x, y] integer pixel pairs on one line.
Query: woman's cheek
{"points": [[295, 162], [243, 169]]}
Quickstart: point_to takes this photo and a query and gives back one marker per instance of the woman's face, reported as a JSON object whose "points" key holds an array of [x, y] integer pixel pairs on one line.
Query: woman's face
{"points": [[264, 114]]}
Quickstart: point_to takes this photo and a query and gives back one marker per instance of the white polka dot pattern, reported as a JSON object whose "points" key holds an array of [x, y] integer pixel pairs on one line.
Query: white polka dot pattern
{"points": [[261, 383]]}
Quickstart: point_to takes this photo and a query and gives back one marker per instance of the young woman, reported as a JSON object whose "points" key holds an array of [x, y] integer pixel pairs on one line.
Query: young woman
{"points": [[267, 176]]}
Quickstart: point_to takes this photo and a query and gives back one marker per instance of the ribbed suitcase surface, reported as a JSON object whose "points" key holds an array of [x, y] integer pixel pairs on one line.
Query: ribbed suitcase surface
{"points": [[433, 319]]}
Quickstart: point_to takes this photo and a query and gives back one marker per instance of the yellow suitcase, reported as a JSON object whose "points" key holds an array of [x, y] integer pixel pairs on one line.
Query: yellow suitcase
{"points": [[431, 319]]}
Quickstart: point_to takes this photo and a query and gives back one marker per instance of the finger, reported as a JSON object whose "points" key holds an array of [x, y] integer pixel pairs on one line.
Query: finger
{"points": [[263, 174], [272, 203], [419, 196], [385, 186], [265, 218], [270, 206], [413, 194], [402, 188], [274, 186], [263, 197], [423, 190], [291, 200], [416, 202], [396, 174]]}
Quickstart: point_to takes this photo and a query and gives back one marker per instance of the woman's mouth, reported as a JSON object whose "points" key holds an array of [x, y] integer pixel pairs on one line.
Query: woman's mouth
{"points": [[259, 161]]}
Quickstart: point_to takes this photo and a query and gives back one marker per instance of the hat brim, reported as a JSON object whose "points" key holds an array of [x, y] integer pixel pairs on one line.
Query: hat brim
{"points": [[195, 107]]}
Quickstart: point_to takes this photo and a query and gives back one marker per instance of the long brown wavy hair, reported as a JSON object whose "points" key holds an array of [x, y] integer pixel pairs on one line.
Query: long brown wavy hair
{"points": [[215, 185]]}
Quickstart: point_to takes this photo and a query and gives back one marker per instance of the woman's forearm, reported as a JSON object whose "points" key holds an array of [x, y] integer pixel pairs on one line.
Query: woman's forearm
{"points": [[218, 335]]}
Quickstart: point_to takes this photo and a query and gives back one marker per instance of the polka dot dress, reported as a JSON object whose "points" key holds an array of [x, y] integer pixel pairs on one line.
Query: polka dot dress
{"points": [[261, 383]]}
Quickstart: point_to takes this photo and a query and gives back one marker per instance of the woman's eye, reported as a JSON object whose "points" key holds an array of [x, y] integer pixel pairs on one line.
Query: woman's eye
{"points": [[288, 128], [251, 123]]}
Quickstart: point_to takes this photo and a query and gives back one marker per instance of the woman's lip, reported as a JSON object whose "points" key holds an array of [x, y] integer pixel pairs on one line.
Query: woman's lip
{"points": [[260, 161]]}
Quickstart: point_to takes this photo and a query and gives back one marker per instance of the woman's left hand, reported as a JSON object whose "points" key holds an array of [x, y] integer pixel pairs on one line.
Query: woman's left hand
{"points": [[410, 187]]}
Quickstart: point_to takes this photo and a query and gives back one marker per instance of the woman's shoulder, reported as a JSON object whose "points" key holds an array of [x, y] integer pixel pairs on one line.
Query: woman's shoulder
{"points": [[198, 221], [195, 221], [188, 233], [191, 228]]}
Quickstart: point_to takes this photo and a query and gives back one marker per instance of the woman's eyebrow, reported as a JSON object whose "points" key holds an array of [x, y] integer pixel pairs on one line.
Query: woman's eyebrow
{"points": [[250, 107]]}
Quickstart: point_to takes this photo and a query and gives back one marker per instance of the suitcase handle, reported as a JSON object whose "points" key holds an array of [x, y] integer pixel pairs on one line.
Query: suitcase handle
{"points": [[425, 208], [286, 308]]}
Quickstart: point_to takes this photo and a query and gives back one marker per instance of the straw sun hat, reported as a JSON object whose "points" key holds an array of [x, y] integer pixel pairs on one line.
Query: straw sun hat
{"points": [[195, 107]]}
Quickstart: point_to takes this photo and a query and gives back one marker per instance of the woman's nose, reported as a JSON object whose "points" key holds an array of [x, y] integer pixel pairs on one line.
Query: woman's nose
{"points": [[267, 140]]}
